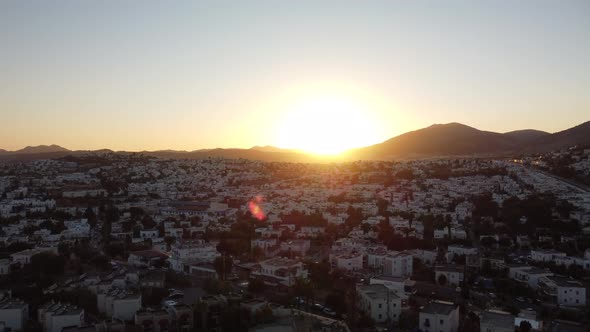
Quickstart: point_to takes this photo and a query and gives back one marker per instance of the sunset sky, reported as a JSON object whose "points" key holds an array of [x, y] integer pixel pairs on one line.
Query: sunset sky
{"points": [[149, 75]]}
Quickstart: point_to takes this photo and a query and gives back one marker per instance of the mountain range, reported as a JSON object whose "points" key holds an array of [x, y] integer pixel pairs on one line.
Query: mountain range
{"points": [[438, 140]]}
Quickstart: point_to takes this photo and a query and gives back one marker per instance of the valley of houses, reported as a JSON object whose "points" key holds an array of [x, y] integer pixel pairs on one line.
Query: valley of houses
{"points": [[440, 273]]}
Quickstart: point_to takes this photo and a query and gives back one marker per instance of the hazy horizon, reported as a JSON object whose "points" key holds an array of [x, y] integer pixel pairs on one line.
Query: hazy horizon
{"points": [[188, 76], [262, 145]]}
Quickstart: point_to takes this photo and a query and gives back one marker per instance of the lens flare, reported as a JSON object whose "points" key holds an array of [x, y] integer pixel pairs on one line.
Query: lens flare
{"points": [[256, 209]]}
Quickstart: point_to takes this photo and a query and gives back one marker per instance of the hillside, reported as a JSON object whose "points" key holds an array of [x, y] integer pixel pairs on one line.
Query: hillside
{"points": [[438, 140], [526, 135], [578, 135], [41, 149]]}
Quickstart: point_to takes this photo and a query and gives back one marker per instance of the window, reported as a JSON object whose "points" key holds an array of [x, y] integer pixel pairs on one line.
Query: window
{"points": [[442, 322], [427, 322], [379, 305], [379, 316]]}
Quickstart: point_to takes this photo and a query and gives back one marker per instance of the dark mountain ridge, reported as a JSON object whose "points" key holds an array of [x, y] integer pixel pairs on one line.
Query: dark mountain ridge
{"points": [[438, 140]]}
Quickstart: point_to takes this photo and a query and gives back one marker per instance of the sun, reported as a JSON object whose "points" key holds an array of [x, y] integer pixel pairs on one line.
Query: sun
{"points": [[327, 125]]}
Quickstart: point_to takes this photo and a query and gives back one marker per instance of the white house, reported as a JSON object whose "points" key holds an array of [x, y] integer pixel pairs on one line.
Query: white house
{"points": [[458, 250], [496, 321], [402, 286], [14, 313], [4, 266], [347, 259], [452, 275], [297, 247], [439, 316], [264, 243], [428, 257], [376, 257], [24, 257], [280, 271], [55, 316], [148, 233], [566, 291], [398, 264], [530, 316], [145, 258], [541, 255], [118, 303], [310, 231], [379, 302], [527, 274], [187, 253]]}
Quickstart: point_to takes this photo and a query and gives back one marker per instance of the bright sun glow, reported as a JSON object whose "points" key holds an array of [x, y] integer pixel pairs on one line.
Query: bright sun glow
{"points": [[327, 126]]}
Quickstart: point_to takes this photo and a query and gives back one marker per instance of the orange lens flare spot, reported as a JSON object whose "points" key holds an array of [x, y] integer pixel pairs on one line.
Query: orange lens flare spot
{"points": [[256, 209]]}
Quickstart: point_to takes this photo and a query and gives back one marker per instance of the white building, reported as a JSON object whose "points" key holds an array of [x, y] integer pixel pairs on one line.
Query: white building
{"points": [[439, 316], [118, 303], [347, 259], [264, 243], [528, 274], [297, 247], [531, 317], [148, 233], [428, 257], [567, 292], [404, 287], [24, 257], [310, 231], [55, 316], [376, 257], [280, 271], [453, 275], [379, 302], [496, 321], [4, 267], [458, 250], [188, 253], [145, 258], [542, 255], [13, 313], [398, 264]]}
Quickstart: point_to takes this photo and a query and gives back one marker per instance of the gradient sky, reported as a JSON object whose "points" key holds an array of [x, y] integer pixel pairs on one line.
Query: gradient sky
{"points": [[138, 75]]}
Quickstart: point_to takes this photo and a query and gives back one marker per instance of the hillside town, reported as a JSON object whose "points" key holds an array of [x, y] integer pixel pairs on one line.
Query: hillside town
{"points": [[116, 242]]}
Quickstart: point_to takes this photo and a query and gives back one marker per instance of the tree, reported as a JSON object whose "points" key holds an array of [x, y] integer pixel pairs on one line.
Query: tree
{"points": [[148, 222], [264, 315], [223, 266], [47, 266], [488, 242], [525, 326], [91, 216], [365, 227], [256, 286], [442, 280]]}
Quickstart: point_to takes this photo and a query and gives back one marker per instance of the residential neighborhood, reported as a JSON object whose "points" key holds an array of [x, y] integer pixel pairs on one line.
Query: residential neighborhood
{"points": [[122, 242]]}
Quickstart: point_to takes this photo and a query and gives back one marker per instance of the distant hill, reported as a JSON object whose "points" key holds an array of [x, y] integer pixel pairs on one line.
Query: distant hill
{"points": [[41, 149], [439, 140], [578, 135], [526, 135], [270, 148], [455, 139], [267, 148]]}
